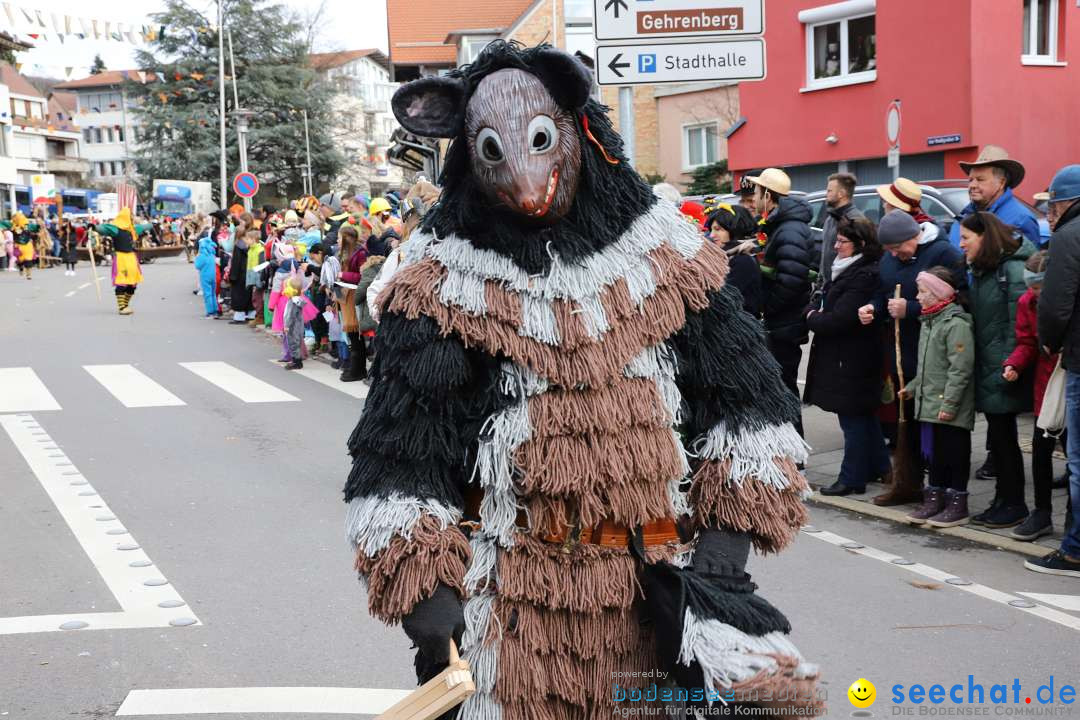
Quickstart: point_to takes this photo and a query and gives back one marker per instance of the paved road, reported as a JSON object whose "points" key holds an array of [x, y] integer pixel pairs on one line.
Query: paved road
{"points": [[178, 439]]}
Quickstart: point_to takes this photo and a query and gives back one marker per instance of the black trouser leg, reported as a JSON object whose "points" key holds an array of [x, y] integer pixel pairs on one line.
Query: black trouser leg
{"points": [[951, 464], [1042, 467], [1002, 435], [357, 356]]}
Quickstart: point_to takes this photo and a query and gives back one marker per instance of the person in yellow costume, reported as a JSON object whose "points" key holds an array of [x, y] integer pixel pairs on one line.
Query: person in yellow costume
{"points": [[126, 273], [22, 233]]}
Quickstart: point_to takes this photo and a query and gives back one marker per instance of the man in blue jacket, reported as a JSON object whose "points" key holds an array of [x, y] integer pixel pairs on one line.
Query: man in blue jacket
{"points": [[907, 253], [991, 179]]}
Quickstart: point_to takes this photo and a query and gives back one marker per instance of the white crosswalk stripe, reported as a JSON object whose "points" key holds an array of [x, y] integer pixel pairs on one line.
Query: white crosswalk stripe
{"points": [[238, 383], [131, 387], [322, 373], [21, 390]]}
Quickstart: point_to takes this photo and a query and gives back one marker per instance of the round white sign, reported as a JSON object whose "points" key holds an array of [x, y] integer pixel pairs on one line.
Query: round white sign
{"points": [[892, 122]]}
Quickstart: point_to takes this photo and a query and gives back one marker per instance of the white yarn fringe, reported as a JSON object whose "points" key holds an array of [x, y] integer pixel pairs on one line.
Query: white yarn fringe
{"points": [[371, 522], [751, 452], [483, 659], [728, 655], [502, 434], [481, 573]]}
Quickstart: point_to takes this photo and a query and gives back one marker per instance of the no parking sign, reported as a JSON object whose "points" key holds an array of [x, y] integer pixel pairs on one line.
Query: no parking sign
{"points": [[246, 185]]}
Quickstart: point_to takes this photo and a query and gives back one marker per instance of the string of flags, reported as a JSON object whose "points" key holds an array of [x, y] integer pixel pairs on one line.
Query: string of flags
{"points": [[43, 26]]}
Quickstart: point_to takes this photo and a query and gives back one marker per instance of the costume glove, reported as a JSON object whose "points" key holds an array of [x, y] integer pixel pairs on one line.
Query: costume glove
{"points": [[430, 626], [721, 552]]}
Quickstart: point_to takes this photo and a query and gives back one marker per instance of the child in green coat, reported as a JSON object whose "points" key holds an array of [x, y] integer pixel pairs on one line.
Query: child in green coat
{"points": [[944, 394]]}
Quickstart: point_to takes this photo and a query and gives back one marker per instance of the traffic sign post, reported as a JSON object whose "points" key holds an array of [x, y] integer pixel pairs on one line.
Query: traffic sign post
{"points": [[657, 63], [246, 185], [892, 134], [693, 19]]}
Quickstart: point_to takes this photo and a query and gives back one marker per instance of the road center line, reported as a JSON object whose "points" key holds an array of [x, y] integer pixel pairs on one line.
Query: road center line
{"points": [[119, 560], [1070, 621], [202, 701]]}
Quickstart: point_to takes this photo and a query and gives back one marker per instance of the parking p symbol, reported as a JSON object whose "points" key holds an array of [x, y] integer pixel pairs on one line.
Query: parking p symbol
{"points": [[646, 63]]}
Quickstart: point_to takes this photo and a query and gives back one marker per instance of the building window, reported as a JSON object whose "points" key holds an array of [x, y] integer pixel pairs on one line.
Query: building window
{"points": [[88, 135], [471, 47], [841, 44], [108, 135], [97, 135], [101, 169], [1040, 37], [700, 145], [120, 134]]}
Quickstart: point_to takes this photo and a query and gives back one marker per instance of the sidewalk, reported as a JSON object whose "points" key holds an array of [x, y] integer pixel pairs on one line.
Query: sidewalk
{"points": [[827, 450]]}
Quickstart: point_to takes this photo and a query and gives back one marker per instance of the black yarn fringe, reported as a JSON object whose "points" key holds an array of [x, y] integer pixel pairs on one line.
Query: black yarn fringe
{"points": [[429, 397], [725, 370]]}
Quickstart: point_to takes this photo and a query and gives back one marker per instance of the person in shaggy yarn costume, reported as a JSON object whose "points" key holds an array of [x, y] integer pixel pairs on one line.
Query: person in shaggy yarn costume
{"points": [[574, 433]]}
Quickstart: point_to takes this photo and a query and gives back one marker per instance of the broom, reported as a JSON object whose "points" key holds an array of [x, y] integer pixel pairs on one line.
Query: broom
{"points": [[902, 468], [443, 692]]}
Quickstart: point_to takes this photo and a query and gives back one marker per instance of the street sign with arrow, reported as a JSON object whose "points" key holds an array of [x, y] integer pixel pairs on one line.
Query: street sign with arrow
{"points": [[672, 62], [691, 19]]}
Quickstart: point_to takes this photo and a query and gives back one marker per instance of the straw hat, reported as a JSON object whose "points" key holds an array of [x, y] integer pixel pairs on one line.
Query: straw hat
{"points": [[773, 179], [903, 193], [995, 156]]}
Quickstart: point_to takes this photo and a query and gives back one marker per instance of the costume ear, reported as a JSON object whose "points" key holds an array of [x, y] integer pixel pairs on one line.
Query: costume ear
{"points": [[431, 107], [566, 77]]}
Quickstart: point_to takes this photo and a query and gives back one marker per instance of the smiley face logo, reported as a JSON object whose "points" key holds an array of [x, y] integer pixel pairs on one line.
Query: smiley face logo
{"points": [[862, 693]]}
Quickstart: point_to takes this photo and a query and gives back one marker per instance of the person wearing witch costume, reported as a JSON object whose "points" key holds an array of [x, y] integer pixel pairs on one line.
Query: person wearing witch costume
{"points": [[23, 233], [126, 273], [555, 345]]}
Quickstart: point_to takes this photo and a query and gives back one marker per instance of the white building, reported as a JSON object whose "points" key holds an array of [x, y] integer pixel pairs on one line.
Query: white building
{"points": [[34, 139], [362, 118], [107, 124]]}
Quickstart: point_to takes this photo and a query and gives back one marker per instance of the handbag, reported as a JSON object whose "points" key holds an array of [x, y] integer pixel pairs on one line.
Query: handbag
{"points": [[1052, 415]]}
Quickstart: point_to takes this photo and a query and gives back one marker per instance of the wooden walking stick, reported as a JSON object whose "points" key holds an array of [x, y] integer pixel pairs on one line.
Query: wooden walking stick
{"points": [[93, 262], [446, 690], [901, 459]]}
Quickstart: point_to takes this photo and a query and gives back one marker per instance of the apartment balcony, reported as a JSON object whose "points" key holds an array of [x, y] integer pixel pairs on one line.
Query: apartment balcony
{"points": [[61, 164]]}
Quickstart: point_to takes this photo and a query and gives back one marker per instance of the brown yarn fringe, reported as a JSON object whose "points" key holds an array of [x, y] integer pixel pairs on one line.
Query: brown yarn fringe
{"points": [[771, 516], [630, 505], [564, 632], [531, 673], [623, 404], [624, 476], [408, 571], [800, 695], [579, 359], [587, 578]]}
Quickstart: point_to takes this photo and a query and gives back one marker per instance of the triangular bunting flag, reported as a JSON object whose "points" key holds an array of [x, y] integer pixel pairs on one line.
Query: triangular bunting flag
{"points": [[18, 67], [10, 15], [85, 27], [27, 15], [67, 24], [142, 76], [56, 24], [41, 20]]}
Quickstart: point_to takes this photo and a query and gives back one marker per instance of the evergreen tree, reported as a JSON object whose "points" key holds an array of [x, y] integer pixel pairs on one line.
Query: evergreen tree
{"points": [[710, 179], [177, 108], [98, 67]]}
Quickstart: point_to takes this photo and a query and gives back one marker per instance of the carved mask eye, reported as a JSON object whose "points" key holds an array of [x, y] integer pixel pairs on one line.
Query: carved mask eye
{"points": [[542, 134], [489, 147]]}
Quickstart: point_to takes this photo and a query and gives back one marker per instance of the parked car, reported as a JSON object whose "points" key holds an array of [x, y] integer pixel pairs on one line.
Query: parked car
{"points": [[955, 192]]}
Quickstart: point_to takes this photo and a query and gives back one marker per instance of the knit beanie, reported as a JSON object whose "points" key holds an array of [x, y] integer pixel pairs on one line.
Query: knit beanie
{"points": [[896, 228]]}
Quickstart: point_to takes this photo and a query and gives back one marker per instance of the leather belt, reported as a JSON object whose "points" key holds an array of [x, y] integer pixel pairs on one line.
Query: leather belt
{"points": [[606, 533]]}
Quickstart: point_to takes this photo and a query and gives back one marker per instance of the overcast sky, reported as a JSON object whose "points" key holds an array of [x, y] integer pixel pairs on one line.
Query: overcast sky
{"points": [[346, 25]]}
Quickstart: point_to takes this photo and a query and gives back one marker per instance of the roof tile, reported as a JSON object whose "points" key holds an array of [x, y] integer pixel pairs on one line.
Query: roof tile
{"points": [[418, 29]]}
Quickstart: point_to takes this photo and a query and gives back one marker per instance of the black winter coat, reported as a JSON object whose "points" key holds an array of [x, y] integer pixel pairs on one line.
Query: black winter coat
{"points": [[786, 270], [893, 272], [744, 273], [240, 296], [844, 374], [1059, 304]]}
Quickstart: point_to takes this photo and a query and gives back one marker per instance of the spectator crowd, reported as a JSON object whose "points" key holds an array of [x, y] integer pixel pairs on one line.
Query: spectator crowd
{"points": [[914, 329]]}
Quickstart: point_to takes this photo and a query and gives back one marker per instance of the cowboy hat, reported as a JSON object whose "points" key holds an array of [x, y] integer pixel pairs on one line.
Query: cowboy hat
{"points": [[995, 156], [773, 179], [903, 193]]}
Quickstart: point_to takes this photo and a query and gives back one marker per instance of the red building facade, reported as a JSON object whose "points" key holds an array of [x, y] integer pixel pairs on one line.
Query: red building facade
{"points": [[967, 73]]}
